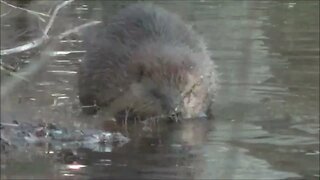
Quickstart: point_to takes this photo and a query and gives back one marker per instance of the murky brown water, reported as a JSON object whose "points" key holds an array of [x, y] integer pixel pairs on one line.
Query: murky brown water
{"points": [[266, 122]]}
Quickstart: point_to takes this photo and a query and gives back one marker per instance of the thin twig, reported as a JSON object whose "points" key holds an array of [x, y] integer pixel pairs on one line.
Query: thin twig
{"points": [[126, 120], [54, 14], [126, 117], [77, 29], [10, 125]]}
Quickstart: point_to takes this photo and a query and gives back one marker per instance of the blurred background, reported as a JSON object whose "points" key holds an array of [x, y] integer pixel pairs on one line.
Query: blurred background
{"points": [[266, 123]]}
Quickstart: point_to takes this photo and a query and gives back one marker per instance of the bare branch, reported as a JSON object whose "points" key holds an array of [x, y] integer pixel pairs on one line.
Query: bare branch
{"points": [[25, 47]]}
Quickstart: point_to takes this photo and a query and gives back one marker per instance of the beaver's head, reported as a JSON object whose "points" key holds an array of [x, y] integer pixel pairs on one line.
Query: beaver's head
{"points": [[168, 81]]}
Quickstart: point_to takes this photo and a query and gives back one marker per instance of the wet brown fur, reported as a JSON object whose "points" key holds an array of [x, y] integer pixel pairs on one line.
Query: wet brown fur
{"points": [[149, 61]]}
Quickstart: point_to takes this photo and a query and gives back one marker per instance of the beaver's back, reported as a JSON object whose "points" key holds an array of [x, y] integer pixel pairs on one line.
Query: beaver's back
{"points": [[139, 23]]}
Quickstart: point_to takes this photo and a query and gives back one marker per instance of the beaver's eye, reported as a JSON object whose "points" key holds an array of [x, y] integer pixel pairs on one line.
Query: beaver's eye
{"points": [[157, 94]]}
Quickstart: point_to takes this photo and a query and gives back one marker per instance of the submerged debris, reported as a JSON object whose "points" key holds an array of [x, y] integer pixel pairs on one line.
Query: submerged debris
{"points": [[20, 135]]}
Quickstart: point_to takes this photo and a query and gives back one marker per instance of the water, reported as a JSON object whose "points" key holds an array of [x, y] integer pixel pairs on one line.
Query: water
{"points": [[266, 122]]}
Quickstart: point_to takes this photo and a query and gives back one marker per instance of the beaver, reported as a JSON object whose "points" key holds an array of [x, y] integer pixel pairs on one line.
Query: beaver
{"points": [[148, 62]]}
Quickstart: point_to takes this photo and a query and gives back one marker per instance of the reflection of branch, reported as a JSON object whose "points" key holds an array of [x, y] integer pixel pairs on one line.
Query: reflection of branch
{"points": [[13, 74], [77, 29], [35, 13], [4, 14], [37, 42]]}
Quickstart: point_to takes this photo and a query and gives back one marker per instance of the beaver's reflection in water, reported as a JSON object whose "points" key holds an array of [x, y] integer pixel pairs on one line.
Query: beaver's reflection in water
{"points": [[157, 150]]}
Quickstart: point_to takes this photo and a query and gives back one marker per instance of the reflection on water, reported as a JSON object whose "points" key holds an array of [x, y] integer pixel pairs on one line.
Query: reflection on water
{"points": [[266, 112]]}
